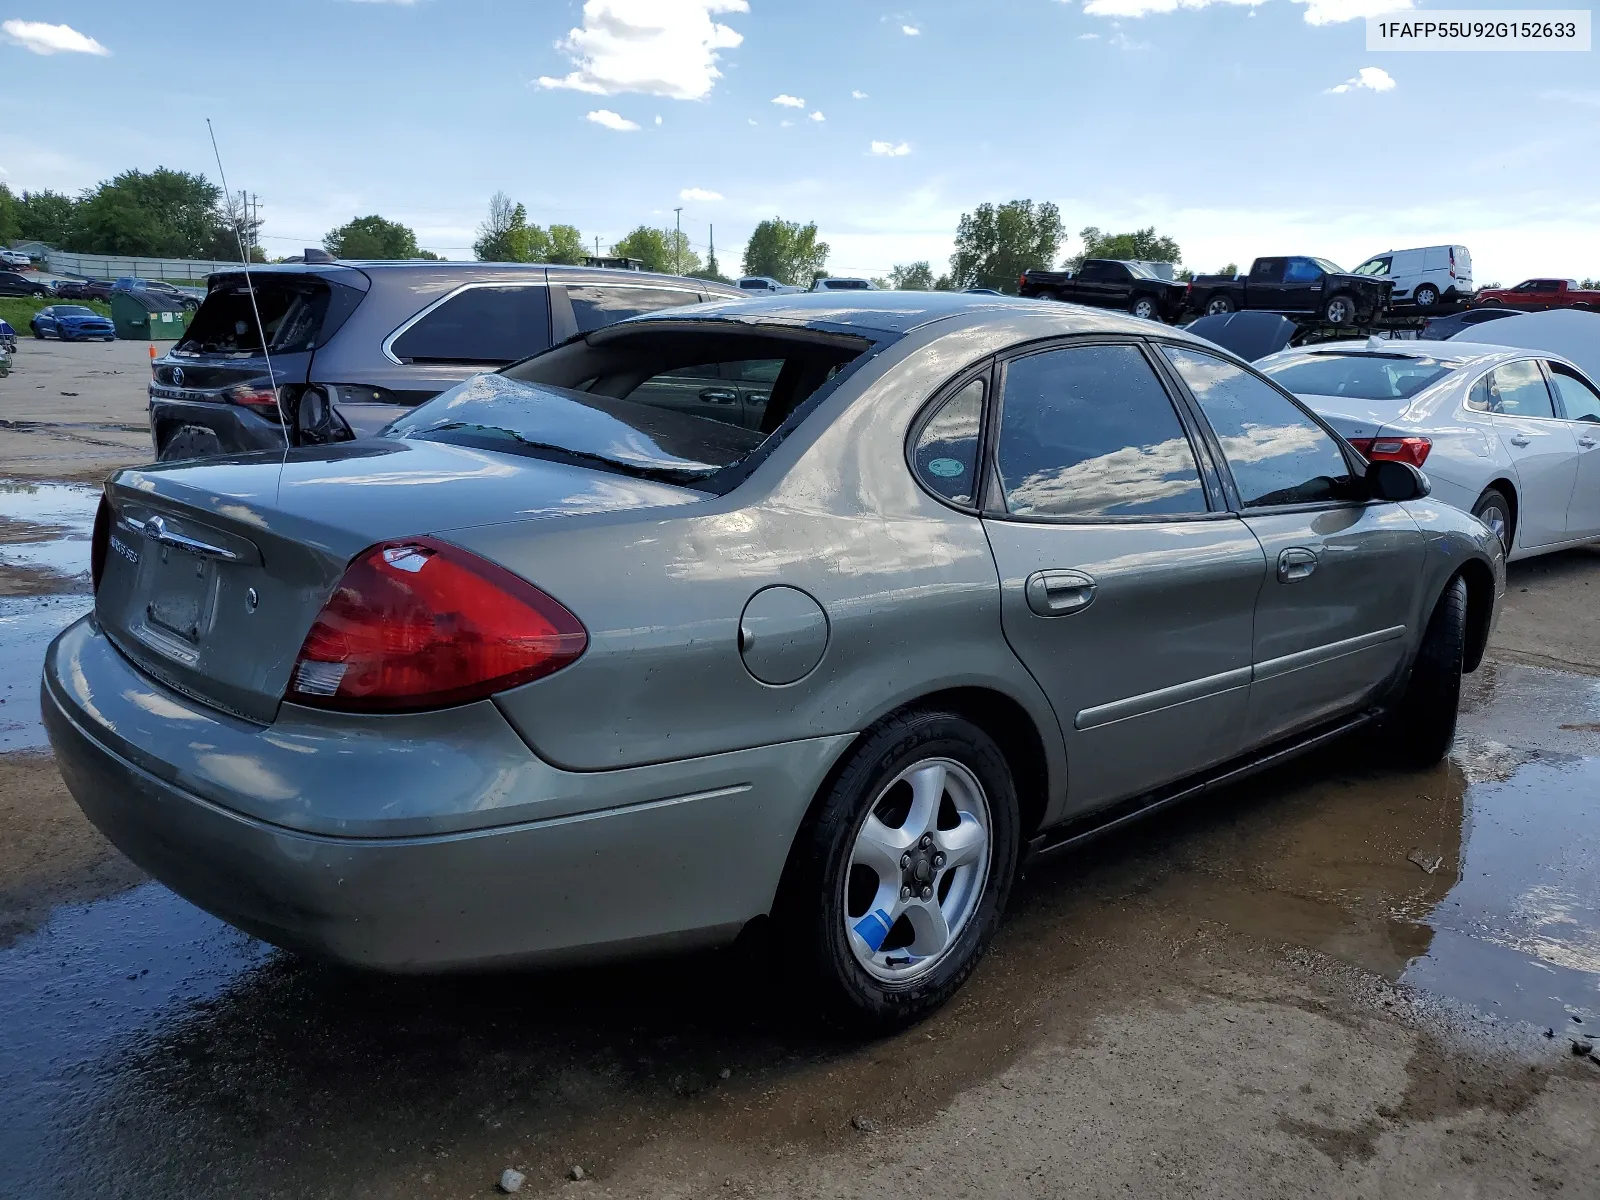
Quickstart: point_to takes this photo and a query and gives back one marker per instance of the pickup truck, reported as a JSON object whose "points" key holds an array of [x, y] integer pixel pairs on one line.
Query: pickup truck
{"points": [[1536, 295], [1110, 283], [1294, 284]]}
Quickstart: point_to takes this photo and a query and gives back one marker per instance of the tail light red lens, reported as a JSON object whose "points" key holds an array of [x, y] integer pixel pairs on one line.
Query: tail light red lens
{"points": [[261, 401], [422, 624], [1413, 450]]}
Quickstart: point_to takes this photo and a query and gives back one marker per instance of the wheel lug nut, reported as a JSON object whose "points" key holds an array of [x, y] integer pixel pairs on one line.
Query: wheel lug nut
{"points": [[927, 840], [938, 860], [905, 893], [905, 862], [927, 893]]}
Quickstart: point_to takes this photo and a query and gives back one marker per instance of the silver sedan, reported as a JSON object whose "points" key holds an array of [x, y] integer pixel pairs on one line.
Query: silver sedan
{"points": [[577, 660]]}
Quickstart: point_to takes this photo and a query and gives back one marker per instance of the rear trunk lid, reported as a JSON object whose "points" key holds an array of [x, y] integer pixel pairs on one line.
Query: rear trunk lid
{"points": [[215, 570]]}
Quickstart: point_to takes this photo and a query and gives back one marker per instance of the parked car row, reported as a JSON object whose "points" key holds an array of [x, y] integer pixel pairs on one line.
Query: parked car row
{"points": [[555, 626], [13, 283]]}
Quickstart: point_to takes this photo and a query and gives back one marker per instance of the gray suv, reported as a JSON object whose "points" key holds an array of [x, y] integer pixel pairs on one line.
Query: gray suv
{"points": [[353, 345]]}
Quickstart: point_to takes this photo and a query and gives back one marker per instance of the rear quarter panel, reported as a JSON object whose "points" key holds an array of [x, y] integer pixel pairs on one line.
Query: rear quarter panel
{"points": [[909, 587]]}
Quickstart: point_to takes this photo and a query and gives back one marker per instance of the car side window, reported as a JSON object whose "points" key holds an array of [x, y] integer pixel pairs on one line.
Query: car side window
{"points": [[1483, 397], [1267, 270], [1277, 453], [1579, 400], [1521, 390], [1094, 272], [480, 325], [596, 306], [946, 452], [1089, 431], [1301, 270]]}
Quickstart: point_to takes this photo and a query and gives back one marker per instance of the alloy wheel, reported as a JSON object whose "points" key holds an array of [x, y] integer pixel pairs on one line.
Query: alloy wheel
{"points": [[1145, 309], [1338, 312], [918, 868], [1499, 524]]}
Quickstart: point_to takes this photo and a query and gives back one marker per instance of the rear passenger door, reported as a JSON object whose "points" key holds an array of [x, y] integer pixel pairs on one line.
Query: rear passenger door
{"points": [[1338, 606], [733, 392], [1543, 448], [1264, 287], [1127, 591]]}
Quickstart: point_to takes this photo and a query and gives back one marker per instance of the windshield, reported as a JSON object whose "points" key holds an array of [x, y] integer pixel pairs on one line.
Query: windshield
{"points": [[1330, 268], [1360, 376], [498, 413], [72, 310], [1373, 266]]}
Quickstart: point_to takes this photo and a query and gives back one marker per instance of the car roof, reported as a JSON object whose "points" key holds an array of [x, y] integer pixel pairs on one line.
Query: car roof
{"points": [[897, 312], [478, 271]]}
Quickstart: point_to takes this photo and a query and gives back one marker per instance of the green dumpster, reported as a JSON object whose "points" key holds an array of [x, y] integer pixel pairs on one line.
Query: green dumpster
{"points": [[141, 317]]}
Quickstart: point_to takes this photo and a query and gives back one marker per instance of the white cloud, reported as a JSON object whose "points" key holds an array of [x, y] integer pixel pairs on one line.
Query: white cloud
{"points": [[910, 30], [891, 149], [858, 94], [1145, 8], [785, 124], [699, 194], [611, 120], [1562, 96], [1374, 79], [43, 38], [659, 47], [788, 101], [817, 116], [1333, 12], [1088, 37], [658, 118], [753, 121]]}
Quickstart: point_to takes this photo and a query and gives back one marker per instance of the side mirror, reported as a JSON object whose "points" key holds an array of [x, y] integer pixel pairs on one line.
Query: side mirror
{"points": [[1390, 480]]}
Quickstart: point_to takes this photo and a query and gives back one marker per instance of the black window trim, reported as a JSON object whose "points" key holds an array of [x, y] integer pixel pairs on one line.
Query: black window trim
{"points": [[1539, 365], [405, 326], [983, 369], [993, 503], [1557, 400], [1352, 457]]}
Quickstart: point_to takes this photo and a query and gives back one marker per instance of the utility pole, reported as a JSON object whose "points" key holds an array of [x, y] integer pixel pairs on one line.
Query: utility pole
{"points": [[677, 243], [711, 233], [597, 245]]}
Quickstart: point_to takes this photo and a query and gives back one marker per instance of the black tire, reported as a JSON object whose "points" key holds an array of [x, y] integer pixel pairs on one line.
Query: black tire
{"points": [[1339, 309], [192, 441], [812, 910], [1422, 726], [1145, 302], [37, 332], [1426, 296], [1219, 305], [1493, 502]]}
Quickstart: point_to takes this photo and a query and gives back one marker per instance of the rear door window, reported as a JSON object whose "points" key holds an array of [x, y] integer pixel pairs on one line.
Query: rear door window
{"points": [[599, 305], [1579, 399], [945, 455], [1277, 453], [489, 325], [1519, 390], [1089, 431]]}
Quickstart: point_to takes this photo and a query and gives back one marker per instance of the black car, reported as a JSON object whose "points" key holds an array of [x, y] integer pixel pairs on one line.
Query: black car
{"points": [[1295, 284], [1436, 329], [1130, 287], [356, 344], [13, 284], [84, 289]]}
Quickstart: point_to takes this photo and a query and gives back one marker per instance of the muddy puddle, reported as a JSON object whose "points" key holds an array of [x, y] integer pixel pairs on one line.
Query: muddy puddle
{"points": [[44, 536], [27, 624], [176, 1057]]}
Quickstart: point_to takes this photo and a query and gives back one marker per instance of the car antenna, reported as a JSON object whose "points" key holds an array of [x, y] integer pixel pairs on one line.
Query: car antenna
{"points": [[250, 287]]}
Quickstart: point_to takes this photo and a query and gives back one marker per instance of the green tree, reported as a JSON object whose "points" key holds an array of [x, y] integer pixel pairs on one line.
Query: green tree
{"points": [[566, 246], [10, 222], [647, 245], [161, 214], [45, 217], [995, 244], [912, 277], [1143, 245], [373, 237], [786, 251]]}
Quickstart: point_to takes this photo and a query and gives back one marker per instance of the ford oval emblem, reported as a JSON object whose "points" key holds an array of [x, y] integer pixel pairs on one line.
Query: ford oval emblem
{"points": [[177, 377]]}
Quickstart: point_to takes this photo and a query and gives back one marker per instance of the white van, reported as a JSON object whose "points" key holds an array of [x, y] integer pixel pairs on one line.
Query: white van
{"points": [[1424, 276]]}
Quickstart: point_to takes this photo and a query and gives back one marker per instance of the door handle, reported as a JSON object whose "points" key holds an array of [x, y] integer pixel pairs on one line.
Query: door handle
{"points": [[1295, 564], [1519, 439], [1058, 593], [1587, 442], [718, 396]]}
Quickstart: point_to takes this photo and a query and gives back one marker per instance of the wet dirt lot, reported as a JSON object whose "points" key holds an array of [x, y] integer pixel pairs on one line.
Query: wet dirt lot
{"points": [[1335, 980]]}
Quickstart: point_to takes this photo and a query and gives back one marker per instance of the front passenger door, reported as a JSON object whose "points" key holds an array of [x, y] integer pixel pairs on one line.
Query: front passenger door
{"points": [[1580, 407], [1338, 608], [1125, 590]]}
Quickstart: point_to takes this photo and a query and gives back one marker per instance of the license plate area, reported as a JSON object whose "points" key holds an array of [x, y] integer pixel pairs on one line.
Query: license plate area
{"points": [[180, 592]]}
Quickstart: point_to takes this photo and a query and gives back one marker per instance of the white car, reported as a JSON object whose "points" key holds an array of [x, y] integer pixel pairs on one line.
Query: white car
{"points": [[765, 285], [1510, 435], [844, 284], [15, 258], [1423, 276]]}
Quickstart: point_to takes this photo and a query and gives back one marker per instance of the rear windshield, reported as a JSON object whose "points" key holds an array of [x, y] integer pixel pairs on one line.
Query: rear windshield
{"points": [[681, 404], [293, 311], [1360, 376]]}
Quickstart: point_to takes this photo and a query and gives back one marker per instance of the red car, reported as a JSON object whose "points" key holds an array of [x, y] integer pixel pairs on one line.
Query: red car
{"points": [[1536, 295]]}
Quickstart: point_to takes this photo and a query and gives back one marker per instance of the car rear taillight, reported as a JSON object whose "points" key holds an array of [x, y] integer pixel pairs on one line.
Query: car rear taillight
{"points": [[422, 624], [100, 542], [1022, 281], [259, 400], [1413, 450]]}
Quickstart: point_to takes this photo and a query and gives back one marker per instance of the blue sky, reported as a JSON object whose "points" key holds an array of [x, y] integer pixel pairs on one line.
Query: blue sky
{"points": [[1218, 121]]}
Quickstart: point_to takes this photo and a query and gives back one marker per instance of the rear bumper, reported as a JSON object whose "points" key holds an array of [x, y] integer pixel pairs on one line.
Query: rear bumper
{"points": [[670, 855], [238, 430]]}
